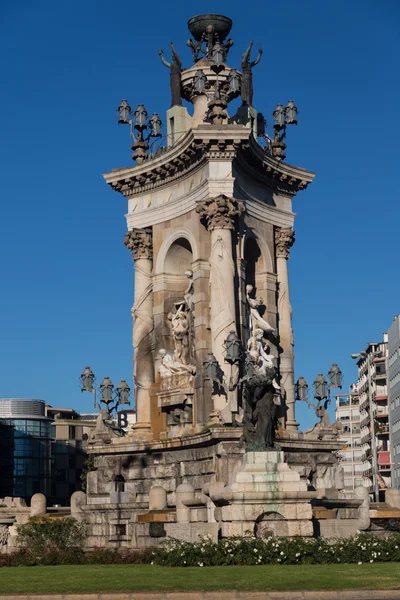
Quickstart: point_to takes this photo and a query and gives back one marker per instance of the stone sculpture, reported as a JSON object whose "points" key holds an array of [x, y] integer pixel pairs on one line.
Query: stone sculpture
{"points": [[256, 320], [175, 75], [260, 420], [247, 75]]}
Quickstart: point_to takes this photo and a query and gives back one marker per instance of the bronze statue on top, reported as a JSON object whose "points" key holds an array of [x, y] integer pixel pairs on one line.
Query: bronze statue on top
{"points": [[175, 75], [247, 75]]}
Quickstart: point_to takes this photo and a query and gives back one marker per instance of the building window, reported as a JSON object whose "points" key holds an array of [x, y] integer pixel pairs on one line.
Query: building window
{"points": [[120, 529], [119, 483], [71, 434]]}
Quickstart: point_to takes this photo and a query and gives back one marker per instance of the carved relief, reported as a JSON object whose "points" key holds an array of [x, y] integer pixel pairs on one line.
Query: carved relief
{"points": [[220, 212], [284, 240], [140, 243]]}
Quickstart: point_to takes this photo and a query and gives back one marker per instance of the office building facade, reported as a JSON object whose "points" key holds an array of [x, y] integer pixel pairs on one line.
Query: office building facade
{"points": [[25, 447]]}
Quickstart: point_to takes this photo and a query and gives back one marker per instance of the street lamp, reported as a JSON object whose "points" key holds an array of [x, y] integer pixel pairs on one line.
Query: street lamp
{"points": [[301, 389], [122, 391], [140, 123], [282, 117], [211, 368], [322, 390], [233, 355], [107, 394], [375, 482], [87, 380]]}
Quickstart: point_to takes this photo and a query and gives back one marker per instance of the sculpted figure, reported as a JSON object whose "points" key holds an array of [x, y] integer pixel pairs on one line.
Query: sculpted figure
{"points": [[169, 367], [261, 392], [247, 75], [180, 331], [175, 75], [256, 320], [188, 295]]}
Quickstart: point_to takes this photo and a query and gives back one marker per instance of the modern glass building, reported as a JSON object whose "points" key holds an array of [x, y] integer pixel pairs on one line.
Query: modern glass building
{"points": [[24, 448]]}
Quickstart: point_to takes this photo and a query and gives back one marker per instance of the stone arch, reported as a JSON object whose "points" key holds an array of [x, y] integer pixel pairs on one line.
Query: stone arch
{"points": [[266, 258], [271, 524], [176, 238]]}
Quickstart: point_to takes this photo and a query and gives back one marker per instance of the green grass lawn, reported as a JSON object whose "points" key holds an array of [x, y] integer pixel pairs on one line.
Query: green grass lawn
{"points": [[130, 578]]}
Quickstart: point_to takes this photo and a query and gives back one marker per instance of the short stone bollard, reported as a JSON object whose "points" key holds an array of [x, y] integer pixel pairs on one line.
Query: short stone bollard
{"points": [[38, 505], [184, 491], [157, 498], [78, 499]]}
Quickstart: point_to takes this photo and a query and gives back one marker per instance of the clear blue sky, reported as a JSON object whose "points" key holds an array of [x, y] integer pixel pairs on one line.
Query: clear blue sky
{"points": [[66, 278]]}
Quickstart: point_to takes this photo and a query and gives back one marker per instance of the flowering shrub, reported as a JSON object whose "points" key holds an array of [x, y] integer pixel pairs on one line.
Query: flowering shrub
{"points": [[360, 549], [251, 551]]}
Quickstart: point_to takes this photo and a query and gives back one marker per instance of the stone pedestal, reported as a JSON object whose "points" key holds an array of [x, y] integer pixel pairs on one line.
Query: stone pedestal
{"points": [[267, 498], [178, 124]]}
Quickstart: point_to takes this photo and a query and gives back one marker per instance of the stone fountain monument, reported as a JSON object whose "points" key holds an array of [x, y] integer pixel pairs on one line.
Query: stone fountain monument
{"points": [[216, 448]]}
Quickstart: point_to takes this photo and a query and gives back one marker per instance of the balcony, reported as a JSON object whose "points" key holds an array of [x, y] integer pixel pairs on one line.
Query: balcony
{"points": [[381, 412], [384, 459]]}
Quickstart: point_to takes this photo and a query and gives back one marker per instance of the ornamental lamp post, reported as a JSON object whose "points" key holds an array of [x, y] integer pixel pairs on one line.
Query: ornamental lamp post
{"points": [[140, 116], [124, 113], [87, 380], [320, 387], [211, 367], [291, 113], [122, 392], [155, 125], [106, 390], [217, 58], [335, 377], [301, 389], [233, 348]]}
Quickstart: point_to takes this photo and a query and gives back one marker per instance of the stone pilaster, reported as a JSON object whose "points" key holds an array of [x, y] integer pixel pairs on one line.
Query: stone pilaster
{"points": [[140, 242], [284, 240], [219, 215]]}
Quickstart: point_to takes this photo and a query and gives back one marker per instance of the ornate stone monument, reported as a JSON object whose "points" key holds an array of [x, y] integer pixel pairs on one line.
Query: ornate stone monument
{"points": [[210, 227]]}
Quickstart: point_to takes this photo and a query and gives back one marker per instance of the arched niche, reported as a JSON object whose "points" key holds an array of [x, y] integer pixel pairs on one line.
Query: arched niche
{"points": [[258, 260], [185, 240], [179, 257]]}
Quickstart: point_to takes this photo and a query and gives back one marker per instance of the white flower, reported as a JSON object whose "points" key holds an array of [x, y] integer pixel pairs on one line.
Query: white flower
{"points": [[152, 563], [282, 553], [360, 563], [298, 554], [372, 560], [201, 564], [255, 550]]}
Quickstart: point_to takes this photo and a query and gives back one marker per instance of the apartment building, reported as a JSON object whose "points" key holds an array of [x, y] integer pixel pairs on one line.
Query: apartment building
{"points": [[394, 397], [374, 415], [348, 415]]}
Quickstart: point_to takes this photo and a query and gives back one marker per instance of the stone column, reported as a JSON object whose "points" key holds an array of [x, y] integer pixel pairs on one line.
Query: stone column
{"points": [[284, 240], [140, 242], [219, 215]]}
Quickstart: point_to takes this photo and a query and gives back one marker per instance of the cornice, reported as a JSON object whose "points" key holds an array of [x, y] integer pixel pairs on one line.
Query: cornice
{"points": [[271, 172], [198, 146], [208, 143]]}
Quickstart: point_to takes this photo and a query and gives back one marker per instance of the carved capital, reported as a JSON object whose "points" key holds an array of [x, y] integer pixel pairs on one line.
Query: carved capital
{"points": [[140, 243], [284, 240], [220, 212]]}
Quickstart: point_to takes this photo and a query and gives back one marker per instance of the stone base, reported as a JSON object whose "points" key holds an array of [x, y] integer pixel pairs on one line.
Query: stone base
{"points": [[227, 489], [266, 498]]}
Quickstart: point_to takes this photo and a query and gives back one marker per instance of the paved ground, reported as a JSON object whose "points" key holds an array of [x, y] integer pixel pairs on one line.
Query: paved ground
{"points": [[301, 595]]}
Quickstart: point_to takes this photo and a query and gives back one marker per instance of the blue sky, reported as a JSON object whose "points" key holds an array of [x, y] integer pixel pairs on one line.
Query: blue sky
{"points": [[66, 278]]}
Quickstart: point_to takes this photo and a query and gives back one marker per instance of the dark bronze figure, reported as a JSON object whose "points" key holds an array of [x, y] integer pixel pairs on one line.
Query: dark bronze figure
{"points": [[247, 75], [175, 75], [259, 420]]}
